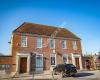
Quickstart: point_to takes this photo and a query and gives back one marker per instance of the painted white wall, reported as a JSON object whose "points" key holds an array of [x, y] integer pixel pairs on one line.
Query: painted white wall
{"points": [[18, 56], [80, 60]]}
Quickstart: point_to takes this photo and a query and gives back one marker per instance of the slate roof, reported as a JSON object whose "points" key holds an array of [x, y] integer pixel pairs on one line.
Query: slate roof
{"points": [[47, 30]]}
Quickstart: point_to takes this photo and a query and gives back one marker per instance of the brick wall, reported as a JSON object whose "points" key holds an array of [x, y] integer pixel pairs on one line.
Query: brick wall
{"points": [[46, 51], [5, 59]]}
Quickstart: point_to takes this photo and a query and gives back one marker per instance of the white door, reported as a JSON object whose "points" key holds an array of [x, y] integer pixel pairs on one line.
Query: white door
{"points": [[53, 61], [64, 57], [39, 63]]}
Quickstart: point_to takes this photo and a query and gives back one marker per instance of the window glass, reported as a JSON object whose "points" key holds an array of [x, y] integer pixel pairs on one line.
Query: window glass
{"points": [[39, 61], [64, 58], [3, 66], [39, 42], [51, 43], [53, 59], [0, 66], [24, 41], [74, 45], [63, 43]]}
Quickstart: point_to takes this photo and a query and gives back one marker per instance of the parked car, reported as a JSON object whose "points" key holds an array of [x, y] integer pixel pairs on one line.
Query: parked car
{"points": [[65, 69]]}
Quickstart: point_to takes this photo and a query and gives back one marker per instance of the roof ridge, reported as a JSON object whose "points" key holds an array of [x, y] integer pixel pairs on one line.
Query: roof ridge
{"points": [[18, 27], [25, 27], [44, 24], [72, 33]]}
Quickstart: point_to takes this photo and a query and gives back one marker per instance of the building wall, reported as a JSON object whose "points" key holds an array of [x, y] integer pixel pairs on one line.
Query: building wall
{"points": [[5, 63], [5, 59], [91, 60], [97, 61], [46, 51]]}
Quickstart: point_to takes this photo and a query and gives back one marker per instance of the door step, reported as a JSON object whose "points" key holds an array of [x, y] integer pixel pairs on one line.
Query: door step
{"points": [[22, 75]]}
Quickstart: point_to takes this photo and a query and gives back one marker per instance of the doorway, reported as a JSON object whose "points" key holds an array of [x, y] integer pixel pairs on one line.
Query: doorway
{"points": [[77, 63], [39, 63], [23, 64]]}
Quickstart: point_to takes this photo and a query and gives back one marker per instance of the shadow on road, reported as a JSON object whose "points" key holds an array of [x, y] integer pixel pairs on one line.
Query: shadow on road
{"points": [[83, 74]]}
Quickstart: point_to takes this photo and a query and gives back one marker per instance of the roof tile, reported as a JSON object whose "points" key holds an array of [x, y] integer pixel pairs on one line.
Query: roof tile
{"points": [[40, 29]]}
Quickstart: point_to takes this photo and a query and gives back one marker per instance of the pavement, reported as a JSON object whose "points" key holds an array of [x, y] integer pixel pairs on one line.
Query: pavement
{"points": [[47, 75], [88, 74]]}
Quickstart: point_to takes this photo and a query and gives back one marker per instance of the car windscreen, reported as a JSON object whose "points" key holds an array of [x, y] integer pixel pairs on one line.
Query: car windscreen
{"points": [[70, 65]]}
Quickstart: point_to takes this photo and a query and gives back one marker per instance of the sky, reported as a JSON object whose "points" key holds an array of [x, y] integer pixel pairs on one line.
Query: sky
{"points": [[82, 17]]}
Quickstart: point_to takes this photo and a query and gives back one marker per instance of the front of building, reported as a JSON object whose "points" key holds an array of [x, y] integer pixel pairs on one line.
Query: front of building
{"points": [[5, 63], [36, 48], [97, 61], [88, 62]]}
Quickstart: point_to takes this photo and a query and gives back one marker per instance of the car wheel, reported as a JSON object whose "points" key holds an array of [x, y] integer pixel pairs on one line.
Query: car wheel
{"points": [[67, 75], [54, 72], [63, 74], [71, 74]]}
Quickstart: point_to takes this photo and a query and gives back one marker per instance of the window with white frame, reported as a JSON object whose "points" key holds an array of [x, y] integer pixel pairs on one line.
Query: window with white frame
{"points": [[52, 43], [53, 59], [74, 45], [63, 43], [39, 42], [23, 41], [64, 57], [39, 60]]}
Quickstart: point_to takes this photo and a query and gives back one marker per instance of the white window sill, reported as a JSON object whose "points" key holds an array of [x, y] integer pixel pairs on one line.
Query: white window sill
{"points": [[39, 47], [64, 48], [24, 46]]}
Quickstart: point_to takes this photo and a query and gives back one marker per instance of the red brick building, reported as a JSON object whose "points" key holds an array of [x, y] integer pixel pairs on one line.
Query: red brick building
{"points": [[37, 47]]}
